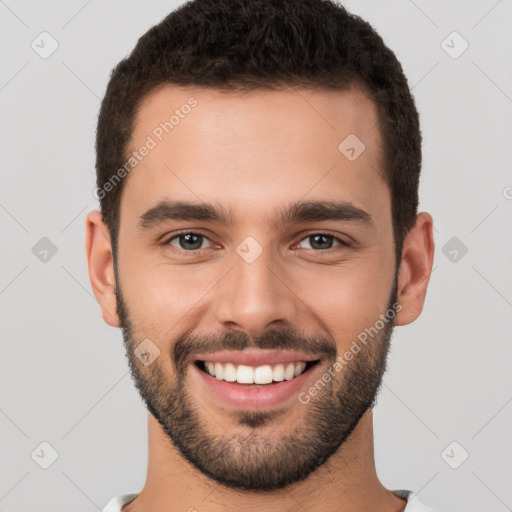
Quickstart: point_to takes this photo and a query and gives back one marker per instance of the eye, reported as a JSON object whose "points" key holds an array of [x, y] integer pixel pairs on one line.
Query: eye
{"points": [[192, 242], [188, 241], [323, 241]]}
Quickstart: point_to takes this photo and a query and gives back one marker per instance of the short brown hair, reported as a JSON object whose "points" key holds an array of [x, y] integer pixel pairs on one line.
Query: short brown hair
{"points": [[269, 44]]}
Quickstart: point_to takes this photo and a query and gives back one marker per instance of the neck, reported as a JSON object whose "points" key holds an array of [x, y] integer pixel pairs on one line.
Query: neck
{"points": [[346, 482]]}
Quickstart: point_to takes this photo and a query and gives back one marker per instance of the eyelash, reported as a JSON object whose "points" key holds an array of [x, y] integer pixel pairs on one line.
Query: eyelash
{"points": [[167, 244]]}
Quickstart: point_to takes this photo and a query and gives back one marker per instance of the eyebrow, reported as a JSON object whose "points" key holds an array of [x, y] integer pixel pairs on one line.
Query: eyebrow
{"points": [[311, 211]]}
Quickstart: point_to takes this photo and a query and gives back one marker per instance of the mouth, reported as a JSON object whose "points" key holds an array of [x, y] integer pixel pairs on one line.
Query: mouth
{"points": [[258, 376], [254, 380]]}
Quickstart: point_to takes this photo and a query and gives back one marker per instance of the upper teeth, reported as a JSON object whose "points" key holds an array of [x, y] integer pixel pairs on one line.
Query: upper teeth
{"points": [[254, 375]]}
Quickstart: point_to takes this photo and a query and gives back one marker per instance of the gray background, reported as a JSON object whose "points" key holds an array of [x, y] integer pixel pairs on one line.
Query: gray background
{"points": [[63, 374]]}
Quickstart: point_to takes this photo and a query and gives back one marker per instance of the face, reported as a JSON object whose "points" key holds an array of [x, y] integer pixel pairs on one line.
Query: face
{"points": [[273, 267]]}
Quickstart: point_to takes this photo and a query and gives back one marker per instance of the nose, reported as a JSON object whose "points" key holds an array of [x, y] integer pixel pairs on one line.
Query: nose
{"points": [[255, 296]]}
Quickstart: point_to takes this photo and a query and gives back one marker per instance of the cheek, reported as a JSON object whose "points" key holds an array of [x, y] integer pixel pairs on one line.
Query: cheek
{"points": [[164, 298], [347, 299]]}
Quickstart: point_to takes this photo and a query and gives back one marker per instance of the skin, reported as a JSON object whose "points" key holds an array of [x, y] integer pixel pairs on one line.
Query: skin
{"points": [[255, 153]]}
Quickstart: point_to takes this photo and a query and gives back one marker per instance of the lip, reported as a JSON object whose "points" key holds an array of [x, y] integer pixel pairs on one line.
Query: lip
{"points": [[255, 357], [254, 397]]}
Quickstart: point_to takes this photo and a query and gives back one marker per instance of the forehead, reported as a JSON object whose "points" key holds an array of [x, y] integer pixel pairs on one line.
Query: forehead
{"points": [[255, 149]]}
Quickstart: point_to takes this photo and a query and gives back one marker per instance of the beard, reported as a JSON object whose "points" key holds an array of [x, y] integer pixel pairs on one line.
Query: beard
{"points": [[258, 461]]}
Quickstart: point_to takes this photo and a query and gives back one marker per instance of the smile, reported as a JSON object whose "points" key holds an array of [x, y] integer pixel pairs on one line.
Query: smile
{"points": [[253, 379], [265, 374]]}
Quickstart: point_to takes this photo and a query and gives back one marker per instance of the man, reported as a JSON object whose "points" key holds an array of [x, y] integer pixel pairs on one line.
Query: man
{"points": [[258, 166]]}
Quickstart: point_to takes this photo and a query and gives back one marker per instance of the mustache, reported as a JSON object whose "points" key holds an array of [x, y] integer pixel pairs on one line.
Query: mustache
{"points": [[189, 344]]}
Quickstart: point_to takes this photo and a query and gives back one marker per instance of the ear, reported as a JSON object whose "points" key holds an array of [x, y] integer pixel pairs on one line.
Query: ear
{"points": [[100, 261], [415, 269]]}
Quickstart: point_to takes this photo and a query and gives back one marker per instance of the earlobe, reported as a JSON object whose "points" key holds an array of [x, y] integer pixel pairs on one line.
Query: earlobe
{"points": [[415, 269], [98, 251]]}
